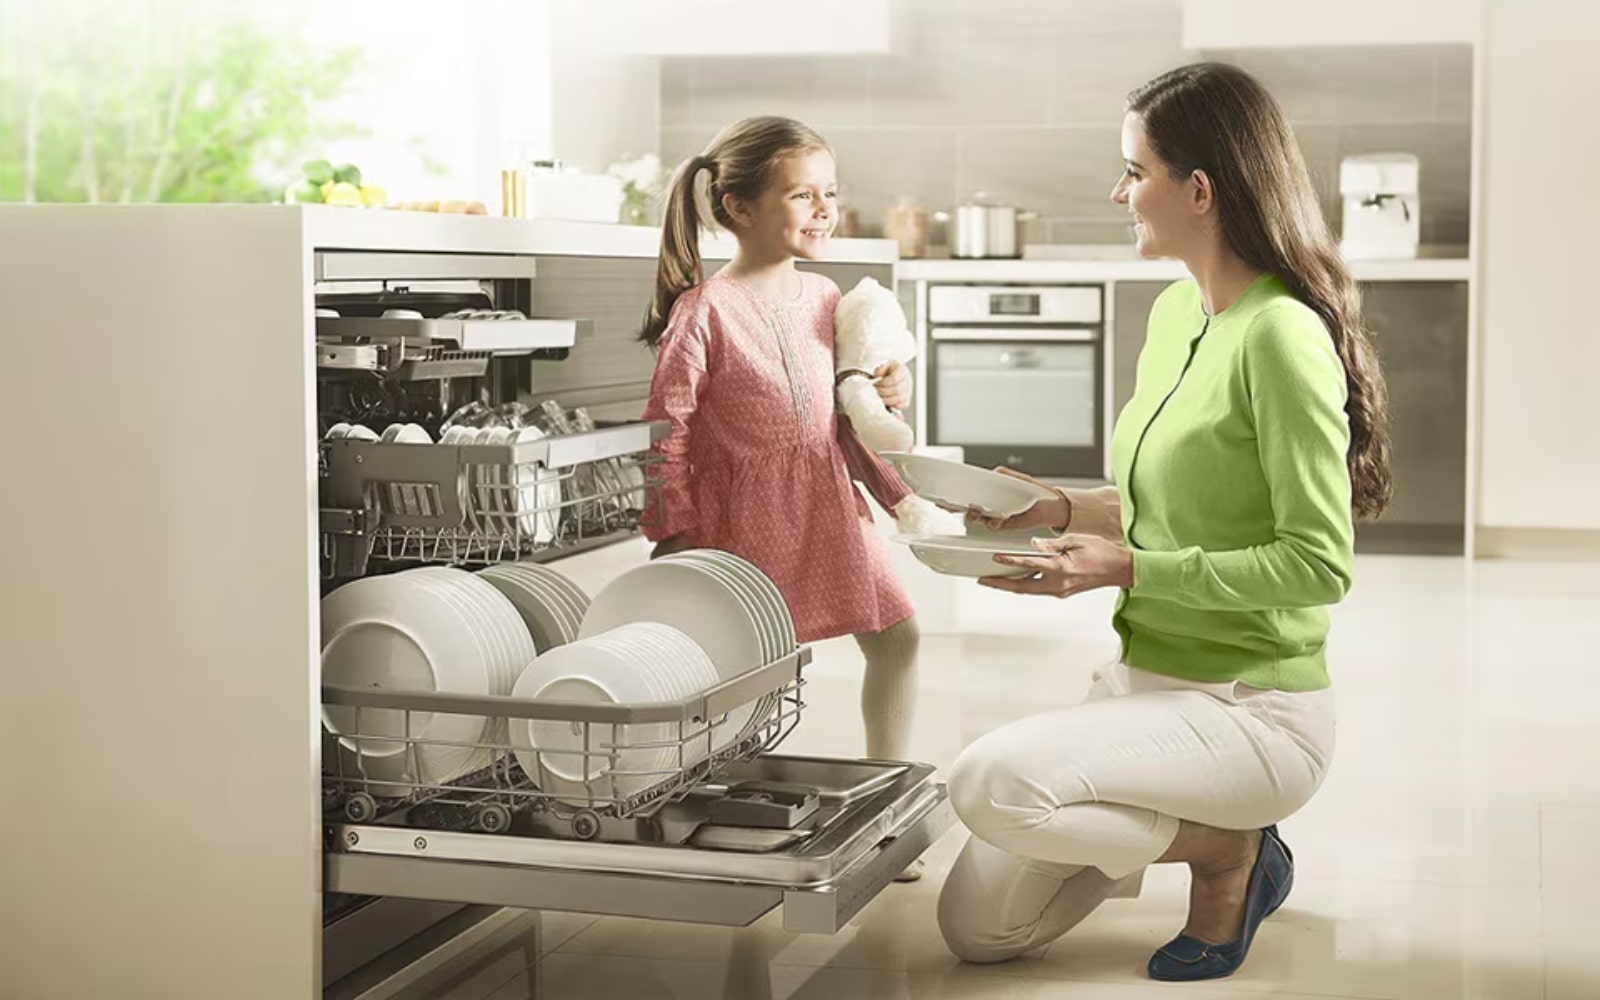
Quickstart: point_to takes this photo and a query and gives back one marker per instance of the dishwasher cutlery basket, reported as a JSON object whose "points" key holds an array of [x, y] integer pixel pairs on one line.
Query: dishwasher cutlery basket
{"points": [[497, 796], [477, 504]]}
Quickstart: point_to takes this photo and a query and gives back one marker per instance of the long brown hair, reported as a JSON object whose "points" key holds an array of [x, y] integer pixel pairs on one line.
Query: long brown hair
{"points": [[1218, 118], [740, 162]]}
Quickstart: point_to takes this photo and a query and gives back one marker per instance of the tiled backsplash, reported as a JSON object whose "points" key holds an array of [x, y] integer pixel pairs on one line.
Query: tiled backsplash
{"points": [[1022, 99]]}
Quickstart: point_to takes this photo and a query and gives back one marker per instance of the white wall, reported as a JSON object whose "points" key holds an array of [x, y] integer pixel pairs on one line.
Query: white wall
{"points": [[604, 106], [1540, 219], [1230, 24]]}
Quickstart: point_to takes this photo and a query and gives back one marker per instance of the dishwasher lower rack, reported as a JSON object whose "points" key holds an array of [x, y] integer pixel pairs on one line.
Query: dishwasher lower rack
{"points": [[478, 504], [626, 762], [874, 819]]}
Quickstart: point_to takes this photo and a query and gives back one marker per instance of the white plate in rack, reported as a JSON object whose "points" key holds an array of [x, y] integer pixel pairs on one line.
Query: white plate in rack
{"points": [[398, 634], [633, 664], [543, 614], [696, 603], [769, 605]]}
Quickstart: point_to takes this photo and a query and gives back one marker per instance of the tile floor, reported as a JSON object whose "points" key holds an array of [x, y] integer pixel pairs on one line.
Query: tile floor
{"points": [[1450, 854]]}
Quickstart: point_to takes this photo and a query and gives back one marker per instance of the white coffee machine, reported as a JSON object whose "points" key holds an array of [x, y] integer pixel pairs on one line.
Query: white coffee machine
{"points": [[1382, 212]]}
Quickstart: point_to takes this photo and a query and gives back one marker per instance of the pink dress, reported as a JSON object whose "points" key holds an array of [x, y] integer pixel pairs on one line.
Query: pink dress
{"points": [[759, 464]]}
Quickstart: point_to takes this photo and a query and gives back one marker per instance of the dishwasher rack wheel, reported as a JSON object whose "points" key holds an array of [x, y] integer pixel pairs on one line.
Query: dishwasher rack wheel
{"points": [[494, 818], [360, 807], [586, 825]]}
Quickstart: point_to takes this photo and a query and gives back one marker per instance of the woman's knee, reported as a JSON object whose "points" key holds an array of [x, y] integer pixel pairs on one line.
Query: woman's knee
{"points": [[986, 789], [967, 924]]}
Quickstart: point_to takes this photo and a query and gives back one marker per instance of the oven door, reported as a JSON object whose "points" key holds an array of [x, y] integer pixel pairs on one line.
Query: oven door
{"points": [[1029, 399]]}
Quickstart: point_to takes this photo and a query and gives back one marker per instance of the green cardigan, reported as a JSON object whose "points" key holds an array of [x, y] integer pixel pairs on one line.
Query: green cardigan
{"points": [[1230, 458]]}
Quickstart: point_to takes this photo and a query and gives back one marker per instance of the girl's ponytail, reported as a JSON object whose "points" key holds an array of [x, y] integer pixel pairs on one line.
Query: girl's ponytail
{"points": [[679, 268]]}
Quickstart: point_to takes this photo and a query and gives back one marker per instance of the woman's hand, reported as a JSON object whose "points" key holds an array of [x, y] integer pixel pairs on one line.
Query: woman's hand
{"points": [[1055, 513], [1070, 564], [677, 543], [893, 382]]}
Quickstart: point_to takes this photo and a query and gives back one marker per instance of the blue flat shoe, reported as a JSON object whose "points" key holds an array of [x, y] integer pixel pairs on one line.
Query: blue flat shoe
{"points": [[1187, 959]]}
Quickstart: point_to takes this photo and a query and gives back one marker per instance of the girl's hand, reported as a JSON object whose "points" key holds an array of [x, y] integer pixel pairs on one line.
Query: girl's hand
{"points": [[1067, 565], [1055, 513], [893, 383]]}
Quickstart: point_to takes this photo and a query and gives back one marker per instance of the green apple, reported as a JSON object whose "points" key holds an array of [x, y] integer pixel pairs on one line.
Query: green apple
{"points": [[305, 193], [347, 173], [318, 172]]}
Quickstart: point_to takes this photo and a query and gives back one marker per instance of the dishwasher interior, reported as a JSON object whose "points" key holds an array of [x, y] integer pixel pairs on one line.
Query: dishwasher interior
{"points": [[717, 828]]}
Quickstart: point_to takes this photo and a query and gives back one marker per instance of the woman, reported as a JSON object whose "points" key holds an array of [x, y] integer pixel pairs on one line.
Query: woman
{"points": [[1255, 433]]}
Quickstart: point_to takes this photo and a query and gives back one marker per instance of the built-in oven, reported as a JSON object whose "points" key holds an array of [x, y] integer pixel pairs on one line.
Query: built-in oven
{"points": [[1016, 376]]}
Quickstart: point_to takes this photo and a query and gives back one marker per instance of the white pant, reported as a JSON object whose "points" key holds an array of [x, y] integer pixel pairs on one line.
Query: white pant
{"points": [[1069, 807]]}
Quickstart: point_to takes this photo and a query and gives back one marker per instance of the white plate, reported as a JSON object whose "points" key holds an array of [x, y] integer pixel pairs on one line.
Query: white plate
{"points": [[771, 596], [963, 486], [557, 580], [398, 634], [971, 557], [774, 608], [562, 593], [695, 603], [771, 640], [608, 668], [546, 620], [538, 488], [361, 432]]}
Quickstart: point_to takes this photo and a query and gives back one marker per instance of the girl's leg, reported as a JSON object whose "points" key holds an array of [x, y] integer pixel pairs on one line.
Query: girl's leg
{"points": [[889, 688]]}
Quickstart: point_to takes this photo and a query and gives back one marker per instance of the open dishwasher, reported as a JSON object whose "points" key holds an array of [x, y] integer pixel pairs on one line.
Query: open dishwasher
{"points": [[723, 832]]}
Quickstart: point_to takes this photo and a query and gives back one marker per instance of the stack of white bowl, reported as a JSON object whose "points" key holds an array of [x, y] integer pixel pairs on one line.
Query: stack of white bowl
{"points": [[636, 663], [423, 630]]}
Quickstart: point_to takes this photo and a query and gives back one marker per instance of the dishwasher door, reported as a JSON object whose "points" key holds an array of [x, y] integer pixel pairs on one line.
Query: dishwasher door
{"points": [[874, 819]]}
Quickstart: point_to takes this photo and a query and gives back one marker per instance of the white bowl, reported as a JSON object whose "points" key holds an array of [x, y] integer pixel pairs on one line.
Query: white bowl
{"points": [[962, 486], [971, 557]]}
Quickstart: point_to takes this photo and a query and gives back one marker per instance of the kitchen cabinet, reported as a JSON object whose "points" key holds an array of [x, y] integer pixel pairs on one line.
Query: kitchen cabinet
{"points": [[1540, 468], [1420, 329], [1245, 24]]}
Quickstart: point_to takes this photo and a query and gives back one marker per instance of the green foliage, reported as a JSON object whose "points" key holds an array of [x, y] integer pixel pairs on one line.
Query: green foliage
{"points": [[131, 102]]}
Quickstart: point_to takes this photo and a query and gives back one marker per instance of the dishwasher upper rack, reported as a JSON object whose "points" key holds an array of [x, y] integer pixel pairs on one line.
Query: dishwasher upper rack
{"points": [[478, 504], [495, 795]]}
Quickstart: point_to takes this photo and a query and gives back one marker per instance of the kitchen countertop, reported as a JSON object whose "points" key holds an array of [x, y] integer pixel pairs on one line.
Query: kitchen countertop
{"points": [[357, 229], [1118, 262]]}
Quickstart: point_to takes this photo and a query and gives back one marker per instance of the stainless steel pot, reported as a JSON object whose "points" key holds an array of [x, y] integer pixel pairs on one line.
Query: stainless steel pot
{"points": [[984, 230]]}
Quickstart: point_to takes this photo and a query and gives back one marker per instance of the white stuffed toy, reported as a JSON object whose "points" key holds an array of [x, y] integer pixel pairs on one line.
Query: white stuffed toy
{"points": [[869, 331]]}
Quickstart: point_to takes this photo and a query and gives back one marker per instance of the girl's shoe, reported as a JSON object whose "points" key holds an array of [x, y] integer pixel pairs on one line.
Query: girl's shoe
{"points": [[1185, 959]]}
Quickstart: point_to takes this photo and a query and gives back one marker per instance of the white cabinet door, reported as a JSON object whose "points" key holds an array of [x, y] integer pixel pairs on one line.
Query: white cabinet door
{"points": [[1540, 354], [1245, 24]]}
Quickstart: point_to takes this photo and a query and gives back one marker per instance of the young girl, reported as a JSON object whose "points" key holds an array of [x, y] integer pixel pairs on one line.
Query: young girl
{"points": [[758, 463]]}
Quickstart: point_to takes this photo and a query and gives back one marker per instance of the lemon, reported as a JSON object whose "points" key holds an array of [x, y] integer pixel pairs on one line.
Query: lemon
{"points": [[326, 188], [374, 196], [343, 194]]}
